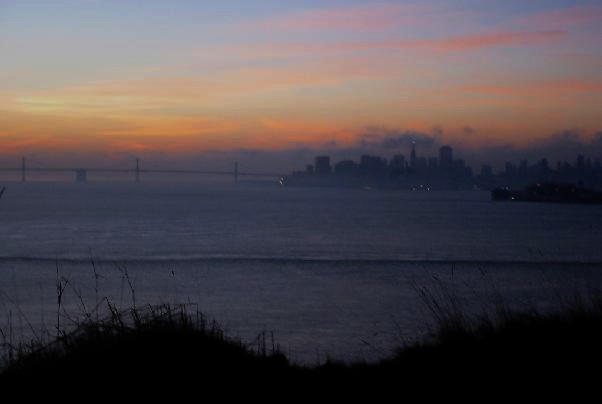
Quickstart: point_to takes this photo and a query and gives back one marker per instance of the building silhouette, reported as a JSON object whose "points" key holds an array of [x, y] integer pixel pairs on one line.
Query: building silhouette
{"points": [[444, 172], [446, 158], [322, 165]]}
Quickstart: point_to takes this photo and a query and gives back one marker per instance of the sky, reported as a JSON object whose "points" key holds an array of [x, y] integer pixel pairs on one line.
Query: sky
{"points": [[156, 78]]}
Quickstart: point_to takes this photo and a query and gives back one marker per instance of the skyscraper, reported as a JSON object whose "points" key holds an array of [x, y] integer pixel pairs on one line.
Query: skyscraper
{"points": [[446, 158], [322, 166]]}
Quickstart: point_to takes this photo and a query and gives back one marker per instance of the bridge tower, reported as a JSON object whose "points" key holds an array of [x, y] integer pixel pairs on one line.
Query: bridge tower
{"points": [[137, 170], [23, 169], [236, 171]]}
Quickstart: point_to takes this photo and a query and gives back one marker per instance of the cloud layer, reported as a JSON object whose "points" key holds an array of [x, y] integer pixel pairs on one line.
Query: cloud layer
{"points": [[186, 78]]}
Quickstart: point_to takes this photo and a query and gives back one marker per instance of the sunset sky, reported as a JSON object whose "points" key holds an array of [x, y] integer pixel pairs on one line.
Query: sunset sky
{"points": [[184, 77]]}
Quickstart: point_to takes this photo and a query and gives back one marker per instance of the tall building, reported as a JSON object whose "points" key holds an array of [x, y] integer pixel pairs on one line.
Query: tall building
{"points": [[346, 167], [398, 162], [433, 163], [446, 158], [413, 157], [580, 162], [322, 166], [486, 171], [421, 164]]}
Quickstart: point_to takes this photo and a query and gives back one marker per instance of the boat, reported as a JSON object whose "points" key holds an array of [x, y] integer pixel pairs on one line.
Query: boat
{"points": [[549, 192]]}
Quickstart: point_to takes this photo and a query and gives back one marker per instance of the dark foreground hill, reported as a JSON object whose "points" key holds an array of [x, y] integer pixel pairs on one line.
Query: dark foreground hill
{"points": [[162, 350]]}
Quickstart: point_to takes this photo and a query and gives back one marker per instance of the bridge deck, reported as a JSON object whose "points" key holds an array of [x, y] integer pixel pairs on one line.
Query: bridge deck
{"points": [[137, 171]]}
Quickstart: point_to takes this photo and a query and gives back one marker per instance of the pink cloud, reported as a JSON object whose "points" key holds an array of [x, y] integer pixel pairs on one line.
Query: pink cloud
{"points": [[361, 18], [540, 89], [450, 44], [487, 40]]}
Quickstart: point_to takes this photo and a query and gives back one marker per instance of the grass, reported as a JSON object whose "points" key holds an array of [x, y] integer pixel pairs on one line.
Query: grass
{"points": [[166, 346], [138, 345]]}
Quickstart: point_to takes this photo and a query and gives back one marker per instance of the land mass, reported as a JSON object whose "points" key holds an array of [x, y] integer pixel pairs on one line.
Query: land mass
{"points": [[164, 348]]}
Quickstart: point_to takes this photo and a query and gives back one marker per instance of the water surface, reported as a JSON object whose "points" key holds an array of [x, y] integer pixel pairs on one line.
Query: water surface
{"points": [[330, 271]]}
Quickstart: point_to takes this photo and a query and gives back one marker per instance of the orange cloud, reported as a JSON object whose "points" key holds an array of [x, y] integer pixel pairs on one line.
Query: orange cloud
{"points": [[27, 133], [175, 96], [167, 126], [302, 132], [451, 44]]}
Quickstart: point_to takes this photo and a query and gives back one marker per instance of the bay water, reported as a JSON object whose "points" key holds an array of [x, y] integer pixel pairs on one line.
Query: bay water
{"points": [[330, 272]]}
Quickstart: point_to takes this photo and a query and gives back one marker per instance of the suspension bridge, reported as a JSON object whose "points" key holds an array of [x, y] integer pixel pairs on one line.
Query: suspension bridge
{"points": [[136, 171]]}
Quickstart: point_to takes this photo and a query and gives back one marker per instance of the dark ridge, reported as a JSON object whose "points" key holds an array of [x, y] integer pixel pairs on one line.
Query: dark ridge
{"points": [[163, 348]]}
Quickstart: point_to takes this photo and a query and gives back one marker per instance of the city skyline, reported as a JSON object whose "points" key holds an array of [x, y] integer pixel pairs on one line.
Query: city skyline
{"points": [[148, 78], [441, 171], [444, 171], [565, 148]]}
